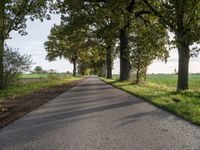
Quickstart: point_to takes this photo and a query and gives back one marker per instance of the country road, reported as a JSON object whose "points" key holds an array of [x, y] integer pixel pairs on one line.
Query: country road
{"points": [[97, 116]]}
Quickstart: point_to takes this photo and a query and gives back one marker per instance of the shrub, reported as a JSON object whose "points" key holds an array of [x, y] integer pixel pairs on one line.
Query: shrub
{"points": [[38, 69], [14, 65], [53, 74]]}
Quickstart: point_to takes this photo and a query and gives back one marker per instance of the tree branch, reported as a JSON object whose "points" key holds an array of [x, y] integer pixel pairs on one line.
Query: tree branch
{"points": [[156, 13], [131, 6]]}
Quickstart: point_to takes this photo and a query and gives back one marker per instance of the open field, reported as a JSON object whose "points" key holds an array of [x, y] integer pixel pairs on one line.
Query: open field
{"points": [[171, 79], [33, 76], [161, 92], [36, 76]]}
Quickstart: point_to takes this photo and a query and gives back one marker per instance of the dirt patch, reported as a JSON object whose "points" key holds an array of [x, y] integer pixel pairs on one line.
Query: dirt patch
{"points": [[18, 107]]}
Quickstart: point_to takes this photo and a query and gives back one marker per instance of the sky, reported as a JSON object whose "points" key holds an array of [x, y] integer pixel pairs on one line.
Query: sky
{"points": [[33, 44]]}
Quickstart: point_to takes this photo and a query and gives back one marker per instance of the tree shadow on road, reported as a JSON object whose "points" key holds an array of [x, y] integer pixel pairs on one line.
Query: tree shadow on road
{"points": [[149, 116], [36, 126]]}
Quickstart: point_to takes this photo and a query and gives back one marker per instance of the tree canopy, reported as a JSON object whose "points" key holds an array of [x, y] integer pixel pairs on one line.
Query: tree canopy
{"points": [[13, 17], [92, 33]]}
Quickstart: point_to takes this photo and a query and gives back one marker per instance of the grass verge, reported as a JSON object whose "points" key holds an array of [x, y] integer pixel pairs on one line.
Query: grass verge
{"points": [[30, 96], [185, 104], [21, 89]]}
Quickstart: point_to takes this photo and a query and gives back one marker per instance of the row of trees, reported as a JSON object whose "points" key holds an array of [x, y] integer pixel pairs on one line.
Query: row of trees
{"points": [[137, 31], [93, 32]]}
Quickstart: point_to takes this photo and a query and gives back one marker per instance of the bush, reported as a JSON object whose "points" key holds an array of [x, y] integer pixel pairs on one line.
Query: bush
{"points": [[39, 70], [14, 65], [53, 74]]}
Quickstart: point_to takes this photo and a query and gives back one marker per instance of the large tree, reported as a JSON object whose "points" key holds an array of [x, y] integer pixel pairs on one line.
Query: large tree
{"points": [[182, 17], [13, 16], [125, 67], [62, 42]]}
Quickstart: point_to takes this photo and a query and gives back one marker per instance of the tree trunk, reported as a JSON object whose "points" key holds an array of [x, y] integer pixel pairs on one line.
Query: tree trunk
{"points": [[145, 74], [2, 40], [103, 68], [109, 62], [138, 72], [1, 63], [183, 66], [125, 66], [183, 41], [124, 55], [74, 63], [137, 76], [74, 68]]}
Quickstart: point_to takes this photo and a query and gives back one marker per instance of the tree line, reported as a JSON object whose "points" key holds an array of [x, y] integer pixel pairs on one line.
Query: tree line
{"points": [[92, 33], [136, 31]]}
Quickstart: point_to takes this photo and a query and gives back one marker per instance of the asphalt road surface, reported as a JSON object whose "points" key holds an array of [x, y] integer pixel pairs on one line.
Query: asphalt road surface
{"points": [[97, 116]]}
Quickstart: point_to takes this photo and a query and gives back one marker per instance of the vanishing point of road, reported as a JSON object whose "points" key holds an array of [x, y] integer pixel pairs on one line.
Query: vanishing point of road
{"points": [[97, 116]]}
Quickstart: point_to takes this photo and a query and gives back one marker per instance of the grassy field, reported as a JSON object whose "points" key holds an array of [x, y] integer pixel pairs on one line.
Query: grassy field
{"points": [[171, 80], [37, 76], [33, 76], [160, 90], [20, 88]]}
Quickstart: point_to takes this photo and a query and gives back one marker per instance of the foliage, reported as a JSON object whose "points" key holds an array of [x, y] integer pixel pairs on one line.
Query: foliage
{"points": [[142, 55], [178, 14], [53, 74], [136, 28], [65, 43], [14, 65], [182, 18], [14, 14], [101, 22], [93, 61], [75, 46], [13, 17], [38, 69]]}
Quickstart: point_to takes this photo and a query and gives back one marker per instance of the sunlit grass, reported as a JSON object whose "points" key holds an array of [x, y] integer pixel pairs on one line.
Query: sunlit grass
{"points": [[42, 75], [33, 76], [185, 104], [20, 89], [171, 80]]}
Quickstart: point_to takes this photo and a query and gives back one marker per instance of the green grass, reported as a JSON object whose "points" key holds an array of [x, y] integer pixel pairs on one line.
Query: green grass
{"points": [[33, 76], [161, 92], [38, 76], [20, 89], [171, 80]]}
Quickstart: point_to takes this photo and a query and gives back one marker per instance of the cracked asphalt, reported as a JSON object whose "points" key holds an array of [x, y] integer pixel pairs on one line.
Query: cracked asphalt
{"points": [[97, 116]]}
